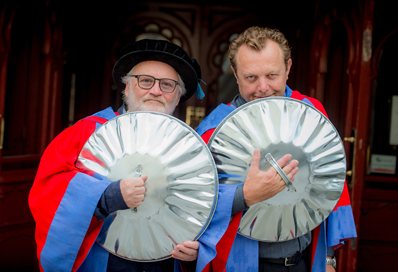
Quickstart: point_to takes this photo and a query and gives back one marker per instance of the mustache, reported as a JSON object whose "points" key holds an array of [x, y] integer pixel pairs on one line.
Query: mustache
{"points": [[161, 101]]}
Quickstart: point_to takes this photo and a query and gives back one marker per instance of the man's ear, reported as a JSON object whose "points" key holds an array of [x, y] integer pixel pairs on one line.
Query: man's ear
{"points": [[288, 65], [125, 92], [233, 70], [178, 101]]}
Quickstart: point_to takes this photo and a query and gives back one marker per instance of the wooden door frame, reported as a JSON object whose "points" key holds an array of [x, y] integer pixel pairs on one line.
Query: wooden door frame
{"points": [[359, 72], [6, 20]]}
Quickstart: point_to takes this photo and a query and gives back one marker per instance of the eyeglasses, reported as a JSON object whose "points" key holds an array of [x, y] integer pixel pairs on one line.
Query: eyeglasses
{"points": [[146, 82]]}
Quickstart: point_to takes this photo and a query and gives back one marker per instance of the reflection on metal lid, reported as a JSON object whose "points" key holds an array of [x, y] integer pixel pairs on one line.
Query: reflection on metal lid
{"points": [[280, 125], [181, 190]]}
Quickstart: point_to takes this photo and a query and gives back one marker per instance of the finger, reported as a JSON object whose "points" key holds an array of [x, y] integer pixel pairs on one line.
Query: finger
{"points": [[255, 163], [177, 254], [293, 173], [137, 181], [282, 162], [185, 251], [282, 185], [188, 247], [290, 166], [191, 244], [138, 191]]}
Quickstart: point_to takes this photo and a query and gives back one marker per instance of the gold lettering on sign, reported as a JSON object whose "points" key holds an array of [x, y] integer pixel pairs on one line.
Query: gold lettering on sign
{"points": [[194, 115], [367, 45]]}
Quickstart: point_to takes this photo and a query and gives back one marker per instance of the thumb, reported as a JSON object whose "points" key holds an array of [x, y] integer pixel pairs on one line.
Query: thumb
{"points": [[144, 178]]}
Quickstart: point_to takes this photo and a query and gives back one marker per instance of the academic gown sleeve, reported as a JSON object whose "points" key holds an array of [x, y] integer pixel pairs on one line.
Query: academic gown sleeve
{"points": [[62, 201]]}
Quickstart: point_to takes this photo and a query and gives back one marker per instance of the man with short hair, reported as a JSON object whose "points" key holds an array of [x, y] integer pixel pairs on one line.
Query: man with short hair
{"points": [[261, 60]]}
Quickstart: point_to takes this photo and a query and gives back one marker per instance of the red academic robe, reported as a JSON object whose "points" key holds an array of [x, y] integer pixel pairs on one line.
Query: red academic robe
{"points": [[63, 199], [230, 249]]}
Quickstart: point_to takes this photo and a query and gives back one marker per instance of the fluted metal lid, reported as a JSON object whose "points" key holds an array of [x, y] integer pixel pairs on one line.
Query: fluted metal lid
{"points": [[181, 188], [280, 125]]}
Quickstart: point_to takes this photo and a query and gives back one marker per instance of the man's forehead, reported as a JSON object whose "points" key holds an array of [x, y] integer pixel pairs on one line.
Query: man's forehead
{"points": [[150, 64]]}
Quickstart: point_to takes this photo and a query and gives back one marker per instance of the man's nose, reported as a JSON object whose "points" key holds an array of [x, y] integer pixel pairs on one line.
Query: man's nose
{"points": [[155, 90], [263, 85]]}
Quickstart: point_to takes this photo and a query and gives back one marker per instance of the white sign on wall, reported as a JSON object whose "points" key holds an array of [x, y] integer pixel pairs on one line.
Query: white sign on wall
{"points": [[384, 164]]}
